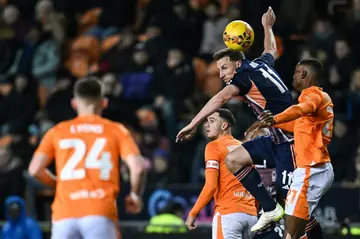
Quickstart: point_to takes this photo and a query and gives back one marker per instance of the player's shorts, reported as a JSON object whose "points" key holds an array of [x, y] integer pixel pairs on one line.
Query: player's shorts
{"points": [[307, 187], [89, 227], [233, 226], [264, 151], [274, 232]]}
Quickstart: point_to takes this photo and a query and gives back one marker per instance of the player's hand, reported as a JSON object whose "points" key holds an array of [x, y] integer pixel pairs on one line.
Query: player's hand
{"points": [[267, 118], [133, 204], [268, 18], [190, 222], [186, 133], [251, 131]]}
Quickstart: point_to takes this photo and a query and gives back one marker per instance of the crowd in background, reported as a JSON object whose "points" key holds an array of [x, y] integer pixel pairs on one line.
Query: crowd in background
{"points": [[155, 60]]}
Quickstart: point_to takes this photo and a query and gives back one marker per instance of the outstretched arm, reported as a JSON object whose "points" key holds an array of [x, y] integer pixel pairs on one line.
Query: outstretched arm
{"points": [[294, 112], [215, 103], [211, 106], [268, 20]]}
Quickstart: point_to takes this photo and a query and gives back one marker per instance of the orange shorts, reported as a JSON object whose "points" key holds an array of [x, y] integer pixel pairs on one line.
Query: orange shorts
{"points": [[300, 201]]}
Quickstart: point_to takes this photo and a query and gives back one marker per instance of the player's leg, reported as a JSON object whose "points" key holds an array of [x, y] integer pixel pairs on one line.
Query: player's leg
{"points": [[285, 157], [65, 229], [239, 162], [300, 202], [313, 229], [294, 227], [94, 227], [250, 222]]}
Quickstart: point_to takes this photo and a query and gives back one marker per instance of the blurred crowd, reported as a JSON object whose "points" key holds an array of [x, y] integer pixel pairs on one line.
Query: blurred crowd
{"points": [[155, 60]]}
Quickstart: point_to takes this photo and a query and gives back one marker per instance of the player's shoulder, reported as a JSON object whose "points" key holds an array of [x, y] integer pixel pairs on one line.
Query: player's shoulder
{"points": [[313, 90], [224, 143], [61, 126], [114, 126]]}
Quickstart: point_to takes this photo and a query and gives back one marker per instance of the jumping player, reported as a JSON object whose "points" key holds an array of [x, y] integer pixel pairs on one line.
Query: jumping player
{"points": [[312, 122], [86, 151], [262, 88], [235, 209]]}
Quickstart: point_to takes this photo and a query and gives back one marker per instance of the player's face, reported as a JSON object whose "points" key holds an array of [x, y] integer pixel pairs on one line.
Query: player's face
{"points": [[213, 126], [300, 77], [226, 68]]}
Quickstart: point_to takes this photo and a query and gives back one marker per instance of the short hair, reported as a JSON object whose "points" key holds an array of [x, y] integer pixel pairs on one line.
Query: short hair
{"points": [[88, 89], [315, 65], [227, 52], [227, 116]]}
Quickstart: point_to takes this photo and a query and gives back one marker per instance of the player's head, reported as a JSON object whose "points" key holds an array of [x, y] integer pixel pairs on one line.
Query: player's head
{"points": [[308, 72], [88, 96], [227, 61], [219, 123]]}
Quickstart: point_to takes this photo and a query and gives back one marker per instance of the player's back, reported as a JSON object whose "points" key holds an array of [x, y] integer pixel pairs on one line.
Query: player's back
{"points": [[313, 132], [263, 89], [87, 153], [231, 196]]}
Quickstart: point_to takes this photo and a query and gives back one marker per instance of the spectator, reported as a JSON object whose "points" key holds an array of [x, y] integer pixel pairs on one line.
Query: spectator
{"points": [[173, 83], [11, 180], [213, 30], [45, 62], [169, 220], [18, 225], [119, 108], [343, 149], [353, 100], [18, 107], [156, 44]]}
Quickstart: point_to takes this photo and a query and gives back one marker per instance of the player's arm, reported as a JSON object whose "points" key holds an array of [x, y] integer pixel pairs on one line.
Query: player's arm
{"points": [[268, 20], [131, 156], [215, 103], [41, 159], [307, 104], [288, 126], [212, 167]]}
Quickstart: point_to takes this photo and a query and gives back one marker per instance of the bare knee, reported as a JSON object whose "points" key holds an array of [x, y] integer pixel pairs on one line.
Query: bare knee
{"points": [[237, 159]]}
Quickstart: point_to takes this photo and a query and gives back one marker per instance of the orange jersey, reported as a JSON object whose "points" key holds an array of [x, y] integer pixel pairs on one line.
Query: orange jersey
{"points": [[312, 127], [87, 150], [230, 195]]}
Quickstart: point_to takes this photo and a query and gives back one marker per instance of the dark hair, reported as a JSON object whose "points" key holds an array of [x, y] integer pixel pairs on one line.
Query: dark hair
{"points": [[315, 65], [227, 115], [227, 52], [88, 89]]}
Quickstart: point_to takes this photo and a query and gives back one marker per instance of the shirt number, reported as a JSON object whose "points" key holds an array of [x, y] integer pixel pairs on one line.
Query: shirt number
{"points": [[95, 158], [271, 75]]}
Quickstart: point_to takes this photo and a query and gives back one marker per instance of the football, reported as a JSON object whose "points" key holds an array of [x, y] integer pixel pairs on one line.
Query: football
{"points": [[238, 35]]}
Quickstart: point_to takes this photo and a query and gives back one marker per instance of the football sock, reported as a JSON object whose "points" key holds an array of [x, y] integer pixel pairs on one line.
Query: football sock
{"points": [[313, 229], [250, 178]]}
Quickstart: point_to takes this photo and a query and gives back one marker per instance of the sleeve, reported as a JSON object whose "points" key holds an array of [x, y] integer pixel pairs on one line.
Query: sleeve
{"points": [[289, 126], [266, 58], [47, 145], [212, 156], [126, 143], [207, 193], [308, 103], [244, 84]]}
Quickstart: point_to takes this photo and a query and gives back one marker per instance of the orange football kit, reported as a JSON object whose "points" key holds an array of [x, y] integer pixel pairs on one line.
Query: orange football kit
{"points": [[86, 151], [235, 209], [312, 122]]}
